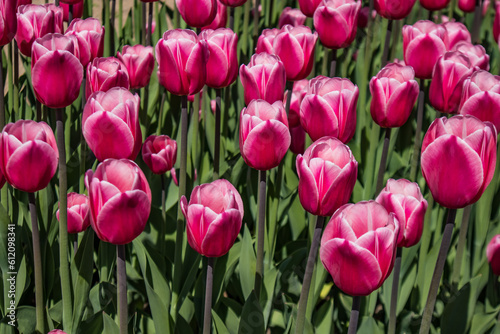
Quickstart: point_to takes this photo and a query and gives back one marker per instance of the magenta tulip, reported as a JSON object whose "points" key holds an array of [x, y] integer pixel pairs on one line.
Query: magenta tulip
{"points": [[493, 254], [139, 62], [358, 247], [233, 3], [476, 53], [394, 93], [456, 32], [120, 200], [434, 4], [78, 213], [264, 134], [56, 331], [8, 22], [467, 6], [454, 148], [28, 155], [308, 7], [263, 78], [265, 43], [110, 124], [292, 16], [220, 20], [405, 200], [329, 108], [89, 34], [104, 74], [394, 9], [213, 217], [197, 13], [159, 153], [77, 10]]}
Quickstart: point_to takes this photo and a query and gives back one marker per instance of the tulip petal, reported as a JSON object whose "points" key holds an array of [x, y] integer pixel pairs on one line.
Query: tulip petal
{"points": [[318, 118], [222, 233], [308, 189]]}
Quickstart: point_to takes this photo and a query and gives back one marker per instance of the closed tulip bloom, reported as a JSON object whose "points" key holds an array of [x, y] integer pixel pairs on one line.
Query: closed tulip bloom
{"points": [[104, 74], [56, 331], [120, 200], [493, 254], [476, 54], [139, 62], [405, 200], [55, 72], [90, 38], [213, 217], [8, 22], [394, 9], [329, 108], [77, 10], [456, 32], [159, 153], [467, 6], [220, 20], [394, 93], [265, 42], [233, 3], [182, 60], [263, 78], [28, 155], [197, 13], [423, 44], [327, 174], [434, 4], [452, 148], [264, 134], [336, 22], [292, 16], [110, 124], [447, 81], [308, 7], [358, 247], [78, 213]]}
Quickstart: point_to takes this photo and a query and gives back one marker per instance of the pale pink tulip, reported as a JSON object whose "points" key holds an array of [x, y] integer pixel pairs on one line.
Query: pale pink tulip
{"points": [[78, 213]]}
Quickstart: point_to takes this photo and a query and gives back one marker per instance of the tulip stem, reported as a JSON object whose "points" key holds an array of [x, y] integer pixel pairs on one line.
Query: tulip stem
{"points": [[2, 99], [311, 261], [218, 98], [394, 292], [476, 25], [231, 18], [121, 277], [383, 160], [289, 88], [256, 17], [112, 24], [385, 54], [70, 14], [417, 144], [37, 259], [333, 63], [150, 25], [161, 237], [260, 232], [462, 239], [38, 111], [438, 272], [143, 16], [207, 319], [16, 79], [353, 321]]}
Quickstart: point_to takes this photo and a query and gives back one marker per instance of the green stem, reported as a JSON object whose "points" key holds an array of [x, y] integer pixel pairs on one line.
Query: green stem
{"points": [[370, 160], [394, 293], [161, 235], [16, 79], [387, 44], [462, 240], [353, 321], [120, 19], [259, 272], [177, 17], [231, 18], [207, 319], [324, 64], [160, 114], [37, 259], [150, 25], [256, 18], [383, 161], [2, 98], [121, 273], [417, 144], [476, 25], [218, 97], [333, 64], [112, 19], [143, 30]]}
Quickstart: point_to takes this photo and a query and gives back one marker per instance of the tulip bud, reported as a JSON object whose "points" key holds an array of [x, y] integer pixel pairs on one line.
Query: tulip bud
{"points": [[476, 54], [78, 213], [139, 62], [220, 20], [394, 9], [292, 16], [104, 74], [493, 254], [8, 21], [456, 32], [89, 34], [56, 331], [197, 13], [467, 6], [434, 4], [159, 153], [309, 6]]}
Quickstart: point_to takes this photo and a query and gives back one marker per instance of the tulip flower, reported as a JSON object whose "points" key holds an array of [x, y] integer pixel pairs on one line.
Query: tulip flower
{"points": [[213, 217], [120, 200], [476, 54], [336, 22], [394, 9], [423, 44], [56, 331], [263, 78], [159, 153], [197, 13], [104, 74], [110, 124], [447, 81], [467, 6], [452, 148], [233, 3], [434, 4], [28, 155], [78, 213], [266, 41], [8, 22], [264, 134], [358, 247], [77, 10], [220, 20], [456, 32], [405, 200], [299, 90], [139, 62], [493, 254], [394, 93], [56, 73], [308, 7], [292, 16], [89, 34], [329, 108], [182, 60]]}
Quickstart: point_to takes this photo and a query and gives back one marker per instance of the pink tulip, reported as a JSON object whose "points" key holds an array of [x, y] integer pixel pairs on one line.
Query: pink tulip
{"points": [[434, 4], [423, 44], [292, 16], [447, 81], [197, 13], [55, 72], [308, 7], [233, 3], [327, 174], [297, 139], [120, 200], [28, 155], [159, 153], [394, 9], [404, 199], [139, 62], [8, 22], [266, 41], [481, 97], [104, 74], [299, 90], [222, 65], [110, 124], [220, 20], [476, 53], [213, 217], [456, 32], [394, 93], [182, 60], [363, 16], [78, 213], [358, 247], [467, 6], [89, 34], [458, 159], [336, 22], [69, 2], [56, 331], [263, 78], [493, 254], [329, 108], [77, 10], [264, 134]]}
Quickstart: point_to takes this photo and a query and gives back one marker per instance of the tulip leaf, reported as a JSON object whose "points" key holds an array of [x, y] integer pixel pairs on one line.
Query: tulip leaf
{"points": [[252, 319], [110, 326], [220, 328], [368, 325], [322, 319], [482, 322], [247, 264]]}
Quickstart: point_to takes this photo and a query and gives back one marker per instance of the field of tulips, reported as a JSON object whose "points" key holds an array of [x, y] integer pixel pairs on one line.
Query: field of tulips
{"points": [[234, 166]]}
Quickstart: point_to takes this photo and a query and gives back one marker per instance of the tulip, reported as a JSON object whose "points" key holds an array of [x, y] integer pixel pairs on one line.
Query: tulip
{"points": [[182, 60], [89, 34], [220, 20], [28, 155], [77, 10], [159, 153], [394, 9], [233, 3], [139, 62], [476, 53], [264, 134], [197, 13], [120, 200], [394, 93], [308, 7], [493, 254], [336, 22], [104, 74], [78, 213], [266, 41], [8, 22], [56, 331], [56, 73], [452, 148], [297, 139], [213, 217], [329, 108], [299, 90], [69, 2], [447, 81], [222, 64], [456, 32], [263, 78], [358, 247], [434, 4], [467, 6], [292, 16], [423, 44]]}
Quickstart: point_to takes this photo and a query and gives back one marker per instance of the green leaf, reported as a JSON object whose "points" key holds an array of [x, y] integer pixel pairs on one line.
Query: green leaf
{"points": [[247, 264], [110, 326], [220, 328], [252, 319], [26, 319]]}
